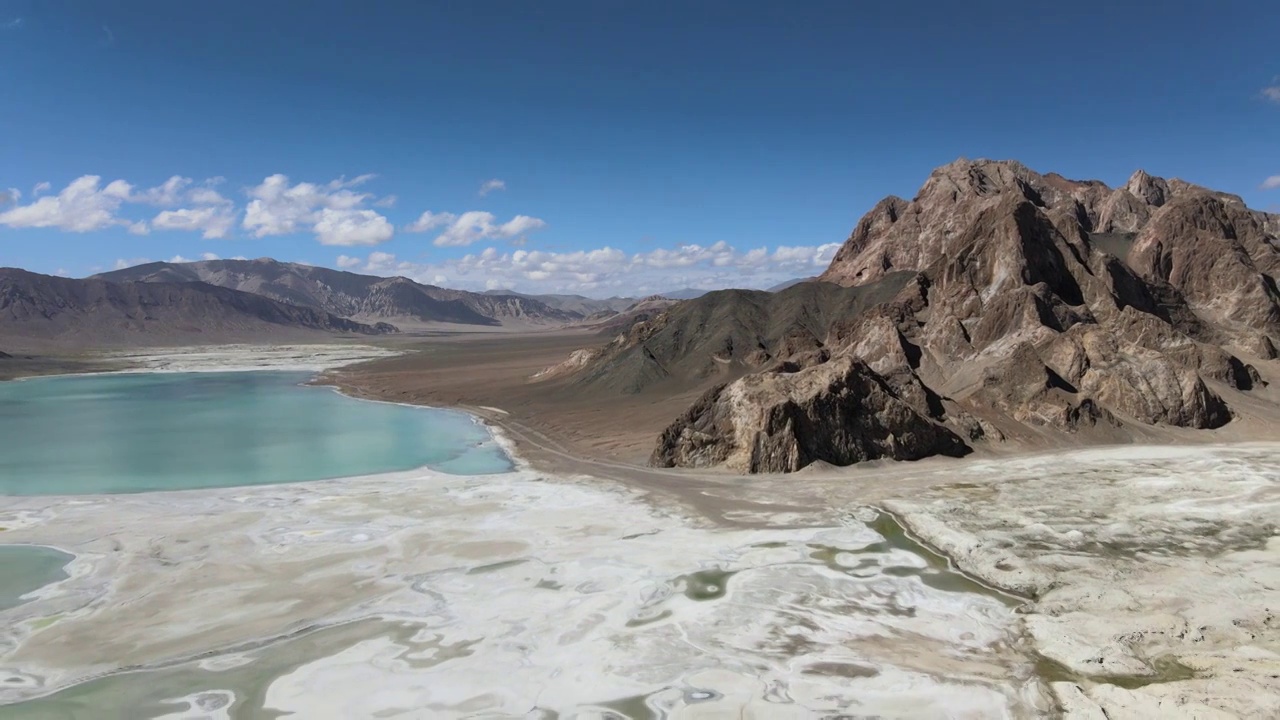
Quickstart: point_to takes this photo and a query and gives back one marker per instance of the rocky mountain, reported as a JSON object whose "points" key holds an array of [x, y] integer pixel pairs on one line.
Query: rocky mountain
{"points": [[684, 294], [788, 283], [997, 305], [38, 308], [642, 310], [584, 307], [350, 295]]}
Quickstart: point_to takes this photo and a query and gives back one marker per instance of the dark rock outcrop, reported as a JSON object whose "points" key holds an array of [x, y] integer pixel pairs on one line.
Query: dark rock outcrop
{"points": [[840, 412]]}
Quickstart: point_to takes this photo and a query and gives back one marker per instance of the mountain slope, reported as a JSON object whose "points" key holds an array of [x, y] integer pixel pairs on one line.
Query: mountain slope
{"points": [[350, 295], [575, 304], [726, 332], [998, 305], [43, 308]]}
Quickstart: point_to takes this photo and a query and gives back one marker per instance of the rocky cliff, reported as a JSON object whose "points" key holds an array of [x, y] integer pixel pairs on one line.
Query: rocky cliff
{"points": [[999, 303]]}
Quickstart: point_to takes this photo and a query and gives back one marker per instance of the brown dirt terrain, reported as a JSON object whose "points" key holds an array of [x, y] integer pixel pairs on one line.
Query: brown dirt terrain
{"points": [[475, 372]]}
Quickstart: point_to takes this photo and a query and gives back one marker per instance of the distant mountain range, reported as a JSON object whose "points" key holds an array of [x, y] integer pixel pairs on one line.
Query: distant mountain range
{"points": [[575, 304], [218, 300], [695, 293], [42, 309], [684, 294], [166, 300], [366, 298], [788, 283]]}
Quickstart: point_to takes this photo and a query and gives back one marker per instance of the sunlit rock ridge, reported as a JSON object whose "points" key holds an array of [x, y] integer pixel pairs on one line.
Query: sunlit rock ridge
{"points": [[999, 304]]}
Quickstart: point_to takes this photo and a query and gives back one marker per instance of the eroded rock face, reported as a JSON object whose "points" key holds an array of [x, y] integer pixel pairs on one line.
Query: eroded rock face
{"points": [[1030, 392], [1218, 255], [839, 412], [1020, 305], [1149, 386]]}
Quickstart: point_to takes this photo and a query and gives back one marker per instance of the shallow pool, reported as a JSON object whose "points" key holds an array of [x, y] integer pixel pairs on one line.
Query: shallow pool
{"points": [[178, 431]]}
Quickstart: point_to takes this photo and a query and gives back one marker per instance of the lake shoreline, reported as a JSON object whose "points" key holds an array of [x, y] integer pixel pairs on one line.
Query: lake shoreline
{"points": [[943, 505]]}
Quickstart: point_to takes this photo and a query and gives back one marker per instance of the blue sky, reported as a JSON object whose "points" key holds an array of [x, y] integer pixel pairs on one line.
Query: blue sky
{"points": [[604, 147]]}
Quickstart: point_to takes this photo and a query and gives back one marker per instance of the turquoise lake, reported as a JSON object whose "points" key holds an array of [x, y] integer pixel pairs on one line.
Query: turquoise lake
{"points": [[179, 431]]}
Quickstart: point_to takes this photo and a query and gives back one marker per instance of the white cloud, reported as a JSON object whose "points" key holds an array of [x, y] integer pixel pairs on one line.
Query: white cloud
{"points": [[82, 206], [352, 227], [12, 195], [85, 205], [182, 259], [473, 226], [207, 196], [1271, 183], [381, 260], [430, 221], [610, 271], [211, 221], [386, 202], [489, 186], [166, 194], [62, 272], [1272, 93], [121, 263], [333, 211]]}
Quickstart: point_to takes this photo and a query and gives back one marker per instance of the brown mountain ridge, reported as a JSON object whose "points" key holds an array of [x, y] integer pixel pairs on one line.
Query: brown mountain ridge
{"points": [[998, 304]]}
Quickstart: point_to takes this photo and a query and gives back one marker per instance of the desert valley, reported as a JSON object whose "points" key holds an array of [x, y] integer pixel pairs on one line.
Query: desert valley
{"points": [[1013, 453]]}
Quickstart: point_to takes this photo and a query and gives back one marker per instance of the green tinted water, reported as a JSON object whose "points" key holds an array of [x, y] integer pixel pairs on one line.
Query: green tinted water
{"points": [[179, 431], [24, 568]]}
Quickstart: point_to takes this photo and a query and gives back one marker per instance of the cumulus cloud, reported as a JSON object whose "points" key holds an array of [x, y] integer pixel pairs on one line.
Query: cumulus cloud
{"points": [[609, 271], [352, 227], [82, 206], [85, 205], [338, 213], [474, 226], [1271, 183], [207, 196], [210, 256], [1272, 93], [489, 186], [212, 222], [333, 211], [169, 193], [430, 221]]}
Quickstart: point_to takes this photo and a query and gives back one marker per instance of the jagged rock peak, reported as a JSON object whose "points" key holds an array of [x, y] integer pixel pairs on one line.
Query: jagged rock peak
{"points": [[1153, 190]]}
